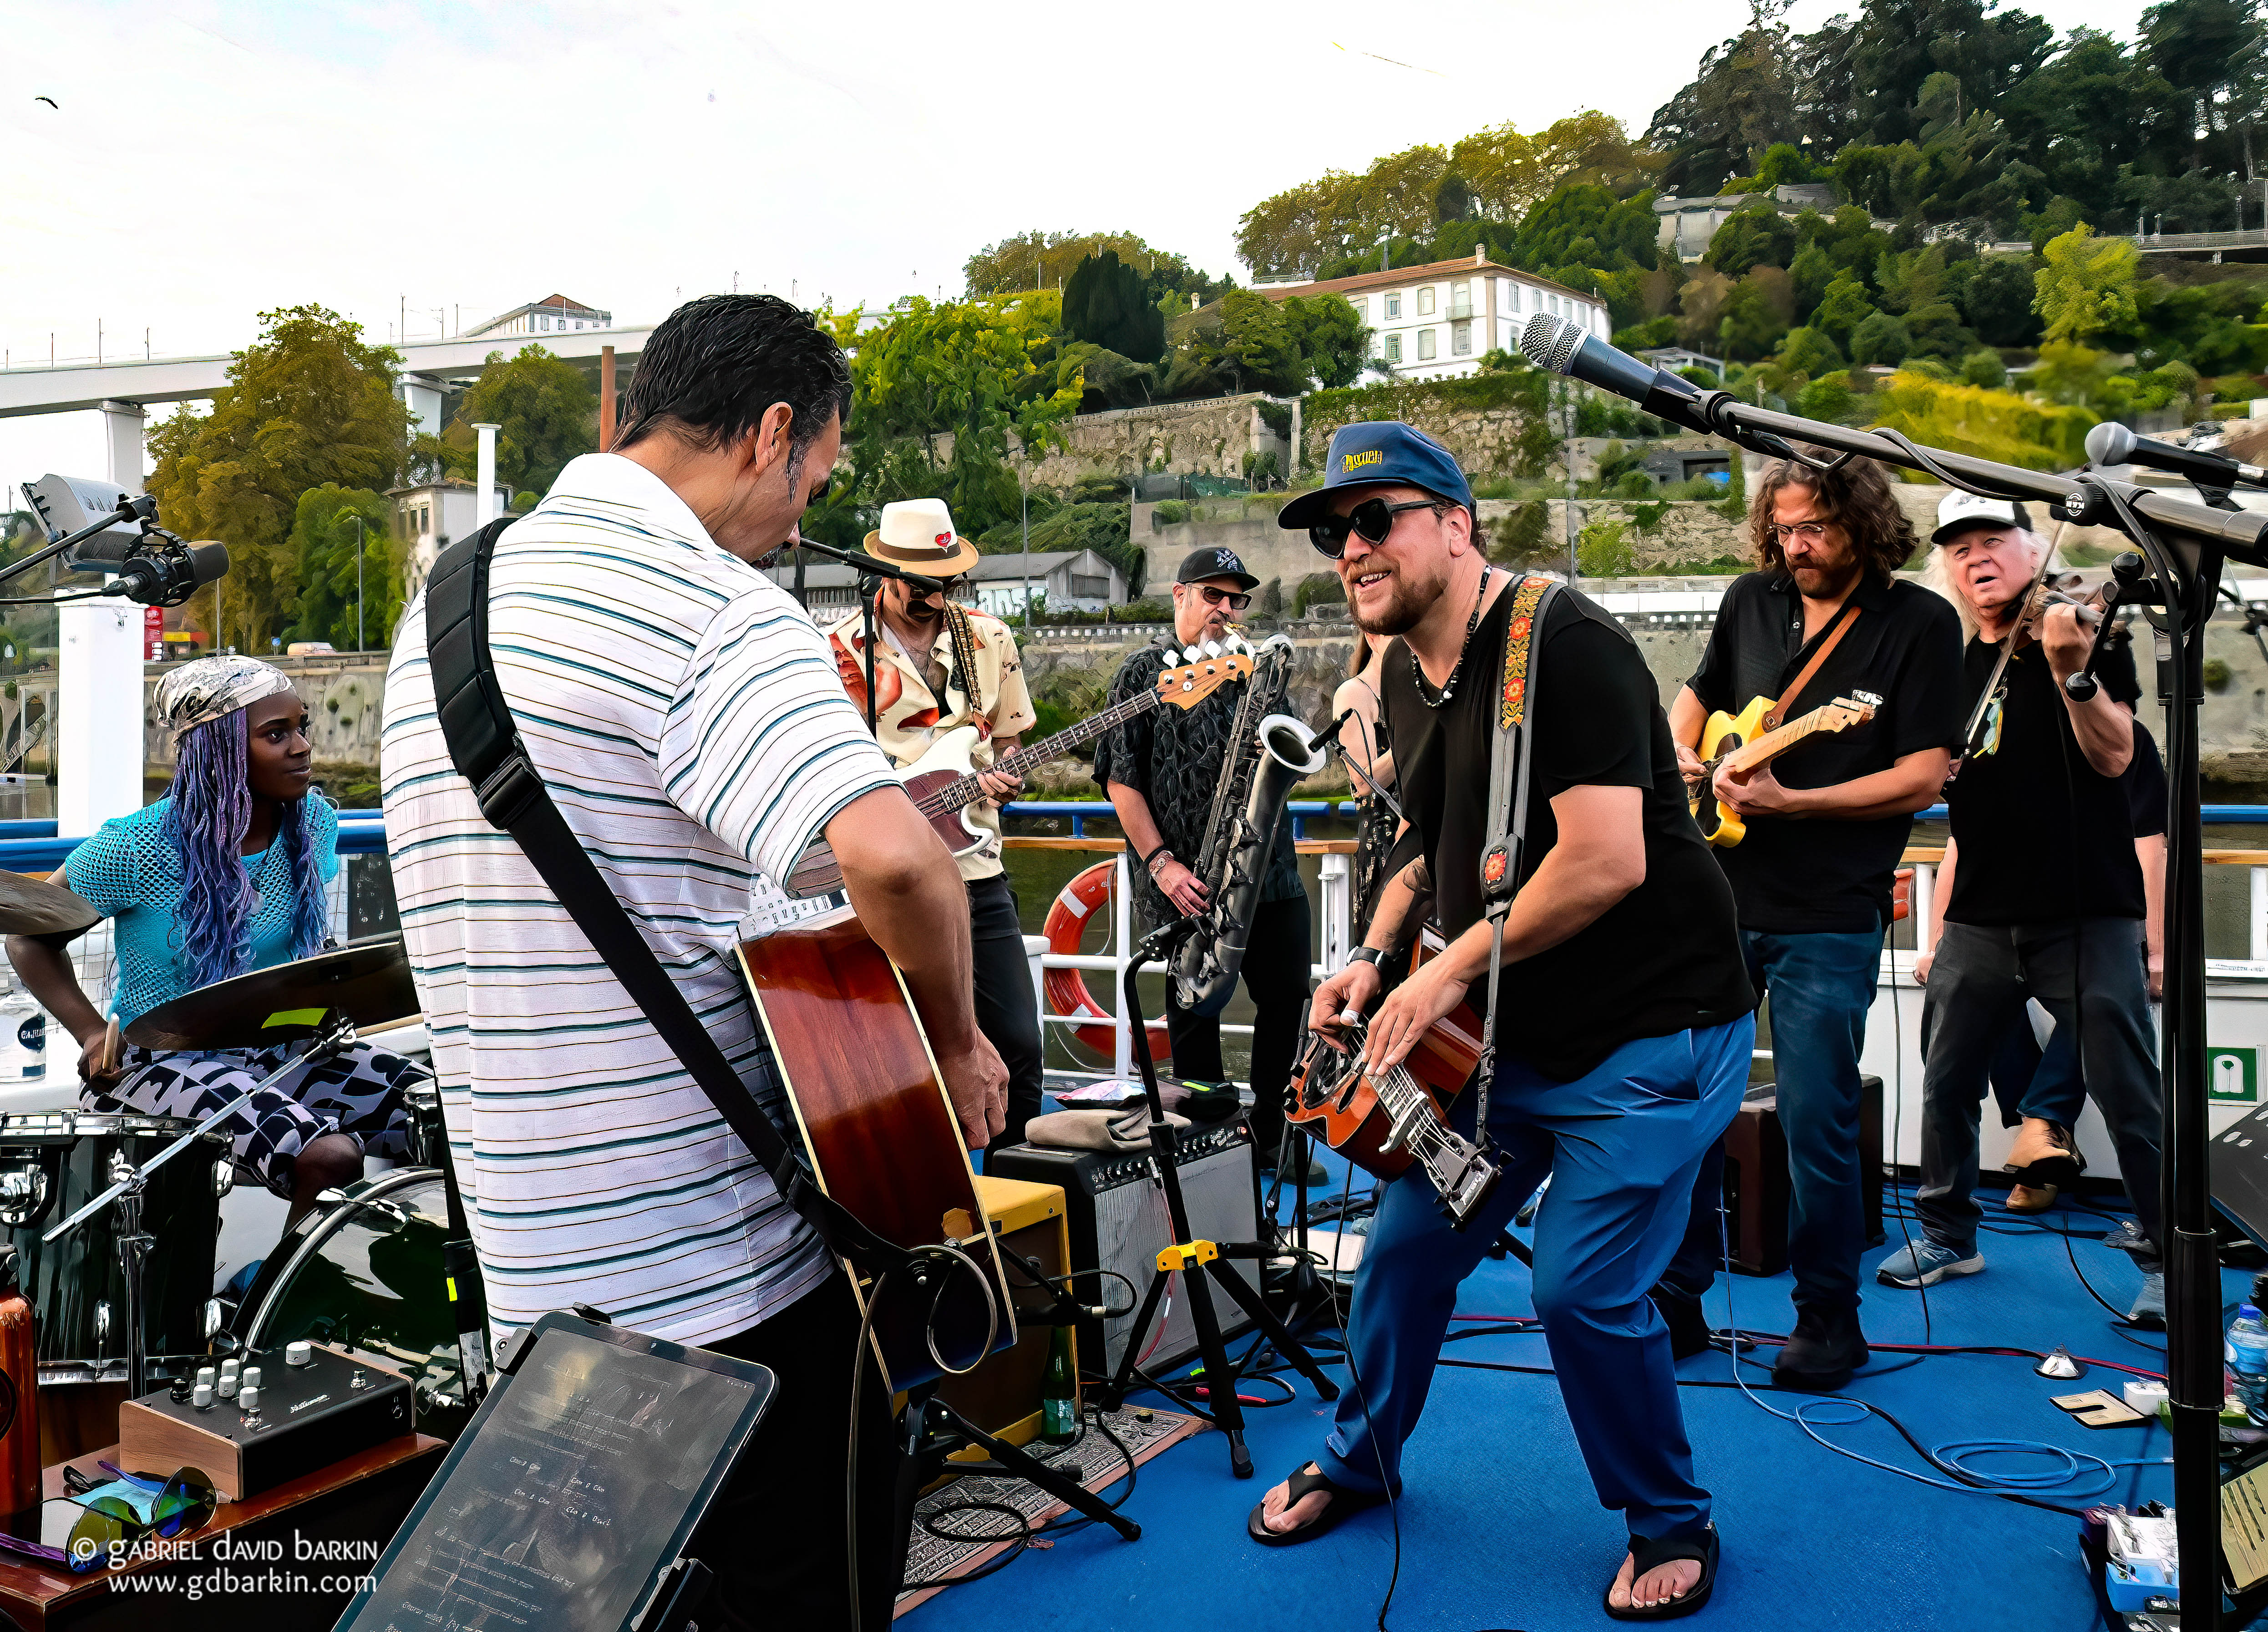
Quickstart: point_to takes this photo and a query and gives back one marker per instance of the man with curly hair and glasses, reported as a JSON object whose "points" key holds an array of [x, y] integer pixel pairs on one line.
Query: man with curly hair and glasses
{"points": [[1812, 875]]}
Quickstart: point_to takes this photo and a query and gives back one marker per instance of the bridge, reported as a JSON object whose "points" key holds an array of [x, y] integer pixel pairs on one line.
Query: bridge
{"points": [[77, 385]]}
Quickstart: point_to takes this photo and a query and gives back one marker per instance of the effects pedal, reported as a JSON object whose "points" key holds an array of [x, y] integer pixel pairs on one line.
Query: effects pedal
{"points": [[295, 1408]]}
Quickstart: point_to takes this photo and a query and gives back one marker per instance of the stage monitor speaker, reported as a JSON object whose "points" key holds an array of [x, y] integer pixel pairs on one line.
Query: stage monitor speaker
{"points": [[1757, 1179], [1116, 1211]]}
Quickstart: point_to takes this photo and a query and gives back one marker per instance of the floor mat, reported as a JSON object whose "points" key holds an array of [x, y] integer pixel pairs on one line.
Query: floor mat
{"points": [[1096, 1463]]}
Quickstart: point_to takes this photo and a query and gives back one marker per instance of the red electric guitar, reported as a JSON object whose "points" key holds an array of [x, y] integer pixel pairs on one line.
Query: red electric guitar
{"points": [[1387, 1125], [943, 781]]}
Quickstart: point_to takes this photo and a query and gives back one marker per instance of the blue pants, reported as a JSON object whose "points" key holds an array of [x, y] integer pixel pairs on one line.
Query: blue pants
{"points": [[1820, 986], [1620, 1146]]}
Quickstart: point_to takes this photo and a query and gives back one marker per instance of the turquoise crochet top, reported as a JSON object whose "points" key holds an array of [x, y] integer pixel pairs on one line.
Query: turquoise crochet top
{"points": [[128, 873]]}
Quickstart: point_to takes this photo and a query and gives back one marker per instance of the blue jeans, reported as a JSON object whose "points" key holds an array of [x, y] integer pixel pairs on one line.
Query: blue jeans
{"points": [[1820, 986], [1620, 1146]]}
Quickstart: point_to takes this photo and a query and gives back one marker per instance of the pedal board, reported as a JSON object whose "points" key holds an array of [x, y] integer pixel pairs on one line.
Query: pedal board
{"points": [[305, 1415]]}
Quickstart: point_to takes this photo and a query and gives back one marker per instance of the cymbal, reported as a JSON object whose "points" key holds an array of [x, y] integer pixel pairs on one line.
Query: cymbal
{"points": [[369, 984], [30, 906]]}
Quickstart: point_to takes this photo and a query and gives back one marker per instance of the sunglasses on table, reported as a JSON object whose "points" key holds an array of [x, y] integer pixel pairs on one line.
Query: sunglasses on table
{"points": [[1372, 519], [1235, 600], [98, 1524]]}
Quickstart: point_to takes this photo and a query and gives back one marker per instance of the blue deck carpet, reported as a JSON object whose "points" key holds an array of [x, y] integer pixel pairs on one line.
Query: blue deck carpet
{"points": [[1501, 1529]]}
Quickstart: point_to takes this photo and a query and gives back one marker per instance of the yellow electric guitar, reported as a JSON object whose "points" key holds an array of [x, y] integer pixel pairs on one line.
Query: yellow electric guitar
{"points": [[1740, 742]]}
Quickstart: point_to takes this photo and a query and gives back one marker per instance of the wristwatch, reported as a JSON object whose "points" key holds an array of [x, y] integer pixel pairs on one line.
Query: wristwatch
{"points": [[1364, 955]]}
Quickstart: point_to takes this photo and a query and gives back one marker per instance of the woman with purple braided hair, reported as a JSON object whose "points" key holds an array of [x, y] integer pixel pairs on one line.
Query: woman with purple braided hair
{"points": [[224, 875]]}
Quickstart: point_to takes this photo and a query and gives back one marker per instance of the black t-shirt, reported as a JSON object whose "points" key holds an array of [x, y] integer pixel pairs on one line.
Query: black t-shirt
{"points": [[1810, 875], [1666, 957], [1174, 758], [2038, 828], [2146, 787]]}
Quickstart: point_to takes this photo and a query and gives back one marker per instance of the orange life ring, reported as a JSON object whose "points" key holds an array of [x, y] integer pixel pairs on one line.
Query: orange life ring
{"points": [[1067, 993]]}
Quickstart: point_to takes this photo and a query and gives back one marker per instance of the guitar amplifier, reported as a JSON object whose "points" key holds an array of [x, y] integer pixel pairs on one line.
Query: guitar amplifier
{"points": [[310, 1416], [1757, 1181], [1116, 1211]]}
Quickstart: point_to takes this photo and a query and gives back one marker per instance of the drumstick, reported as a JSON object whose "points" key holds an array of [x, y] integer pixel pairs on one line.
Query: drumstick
{"points": [[107, 1060]]}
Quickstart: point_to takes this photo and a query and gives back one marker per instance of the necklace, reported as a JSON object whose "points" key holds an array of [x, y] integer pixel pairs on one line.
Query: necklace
{"points": [[1449, 686]]}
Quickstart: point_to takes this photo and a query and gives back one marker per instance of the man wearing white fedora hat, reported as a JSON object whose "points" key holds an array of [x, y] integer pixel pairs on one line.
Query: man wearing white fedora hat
{"points": [[933, 666]]}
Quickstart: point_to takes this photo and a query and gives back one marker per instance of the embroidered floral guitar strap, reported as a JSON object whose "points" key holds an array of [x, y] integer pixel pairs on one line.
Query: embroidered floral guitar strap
{"points": [[1511, 762]]}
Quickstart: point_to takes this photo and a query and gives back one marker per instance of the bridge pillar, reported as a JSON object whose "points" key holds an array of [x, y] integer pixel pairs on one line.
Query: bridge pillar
{"points": [[423, 394], [97, 730]]}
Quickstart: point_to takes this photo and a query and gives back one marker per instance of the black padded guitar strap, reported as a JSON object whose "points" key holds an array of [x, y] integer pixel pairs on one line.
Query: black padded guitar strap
{"points": [[1512, 757], [485, 748]]}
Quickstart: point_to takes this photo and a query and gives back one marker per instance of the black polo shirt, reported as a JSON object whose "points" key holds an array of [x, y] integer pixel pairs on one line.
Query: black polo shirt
{"points": [[2038, 828], [1664, 958], [1809, 875]]}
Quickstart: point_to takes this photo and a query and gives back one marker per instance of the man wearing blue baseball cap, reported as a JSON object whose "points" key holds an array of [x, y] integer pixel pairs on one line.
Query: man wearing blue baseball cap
{"points": [[1621, 1045]]}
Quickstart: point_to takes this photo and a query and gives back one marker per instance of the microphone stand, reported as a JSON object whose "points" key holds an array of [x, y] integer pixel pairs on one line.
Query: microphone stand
{"points": [[1196, 1260], [872, 570], [2187, 565]]}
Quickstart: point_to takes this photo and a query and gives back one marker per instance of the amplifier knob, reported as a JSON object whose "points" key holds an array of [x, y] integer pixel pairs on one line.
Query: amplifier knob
{"points": [[298, 1354], [251, 1378], [202, 1397]]}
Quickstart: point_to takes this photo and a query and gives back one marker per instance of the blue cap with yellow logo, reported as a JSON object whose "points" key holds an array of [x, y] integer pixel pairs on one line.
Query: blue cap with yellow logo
{"points": [[1376, 452]]}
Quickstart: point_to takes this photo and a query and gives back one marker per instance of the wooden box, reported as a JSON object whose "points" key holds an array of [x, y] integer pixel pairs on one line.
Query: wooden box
{"points": [[310, 1416]]}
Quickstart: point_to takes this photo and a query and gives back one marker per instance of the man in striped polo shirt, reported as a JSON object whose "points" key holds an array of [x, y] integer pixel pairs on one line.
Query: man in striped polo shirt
{"points": [[688, 723]]}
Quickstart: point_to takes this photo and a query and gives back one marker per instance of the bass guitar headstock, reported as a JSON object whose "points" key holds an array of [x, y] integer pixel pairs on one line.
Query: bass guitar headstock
{"points": [[1204, 674]]}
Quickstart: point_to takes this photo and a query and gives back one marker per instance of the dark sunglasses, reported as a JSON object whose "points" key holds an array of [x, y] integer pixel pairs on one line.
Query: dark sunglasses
{"points": [[1235, 600], [1372, 518], [952, 589]]}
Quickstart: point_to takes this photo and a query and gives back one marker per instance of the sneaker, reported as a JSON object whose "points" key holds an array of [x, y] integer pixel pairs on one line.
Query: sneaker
{"points": [[1823, 1350], [2128, 1238], [1925, 1263], [2149, 1311]]}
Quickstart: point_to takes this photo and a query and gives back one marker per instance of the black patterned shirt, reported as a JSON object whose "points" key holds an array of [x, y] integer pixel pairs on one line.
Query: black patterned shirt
{"points": [[1175, 758]]}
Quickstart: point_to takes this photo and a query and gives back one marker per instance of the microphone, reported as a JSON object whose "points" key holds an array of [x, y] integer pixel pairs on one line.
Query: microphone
{"points": [[1562, 347], [1329, 736], [166, 572], [2113, 444]]}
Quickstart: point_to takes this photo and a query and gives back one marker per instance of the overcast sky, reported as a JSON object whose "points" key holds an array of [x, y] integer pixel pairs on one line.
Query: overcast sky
{"points": [[206, 162]]}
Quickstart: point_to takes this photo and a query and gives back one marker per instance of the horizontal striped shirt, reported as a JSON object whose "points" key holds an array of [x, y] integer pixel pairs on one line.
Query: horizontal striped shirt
{"points": [[688, 722]]}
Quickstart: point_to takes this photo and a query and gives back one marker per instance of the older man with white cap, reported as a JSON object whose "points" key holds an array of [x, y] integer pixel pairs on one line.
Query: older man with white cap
{"points": [[934, 666], [2041, 890]]}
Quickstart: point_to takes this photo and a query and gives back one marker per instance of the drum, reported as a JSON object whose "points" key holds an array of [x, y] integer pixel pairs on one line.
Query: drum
{"points": [[51, 1163], [366, 1274], [429, 1139]]}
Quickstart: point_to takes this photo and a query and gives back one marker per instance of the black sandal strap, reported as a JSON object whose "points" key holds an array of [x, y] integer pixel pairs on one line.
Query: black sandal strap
{"points": [[1303, 1484], [1651, 1553]]}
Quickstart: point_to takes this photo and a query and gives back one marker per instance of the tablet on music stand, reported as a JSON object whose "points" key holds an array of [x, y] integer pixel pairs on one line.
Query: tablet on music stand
{"points": [[569, 1501]]}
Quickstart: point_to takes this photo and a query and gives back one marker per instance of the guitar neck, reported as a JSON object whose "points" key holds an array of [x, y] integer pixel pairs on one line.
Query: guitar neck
{"points": [[1772, 744], [965, 790]]}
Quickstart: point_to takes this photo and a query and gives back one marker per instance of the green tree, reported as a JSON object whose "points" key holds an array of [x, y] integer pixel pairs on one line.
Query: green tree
{"points": [[1106, 304], [308, 402], [1842, 308], [1602, 550], [1756, 313], [547, 412], [1331, 338], [1810, 272], [1809, 353], [1998, 302], [325, 537], [1035, 261], [1754, 235], [1880, 340], [1985, 369], [2085, 284]]}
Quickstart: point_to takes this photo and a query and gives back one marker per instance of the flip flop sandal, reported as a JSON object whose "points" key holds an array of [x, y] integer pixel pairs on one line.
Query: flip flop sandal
{"points": [[1648, 1555], [1345, 1505]]}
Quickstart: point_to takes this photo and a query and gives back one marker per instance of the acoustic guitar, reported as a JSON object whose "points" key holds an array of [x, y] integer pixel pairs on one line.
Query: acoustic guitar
{"points": [[880, 1135], [1739, 741], [1388, 1124], [943, 781]]}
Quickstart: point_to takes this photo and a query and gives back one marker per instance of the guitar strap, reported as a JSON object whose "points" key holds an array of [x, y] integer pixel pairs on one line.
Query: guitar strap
{"points": [[1845, 615], [1512, 757], [485, 748]]}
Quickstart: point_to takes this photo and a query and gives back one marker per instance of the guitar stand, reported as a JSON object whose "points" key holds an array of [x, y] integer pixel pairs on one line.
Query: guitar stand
{"points": [[1205, 1262], [934, 1431]]}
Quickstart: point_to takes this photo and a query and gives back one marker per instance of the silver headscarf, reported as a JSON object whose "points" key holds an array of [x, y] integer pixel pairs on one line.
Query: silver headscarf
{"points": [[213, 687]]}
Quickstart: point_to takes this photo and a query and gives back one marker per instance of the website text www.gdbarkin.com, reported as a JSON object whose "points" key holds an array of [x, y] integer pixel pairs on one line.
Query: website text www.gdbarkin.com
{"points": [[226, 1567]]}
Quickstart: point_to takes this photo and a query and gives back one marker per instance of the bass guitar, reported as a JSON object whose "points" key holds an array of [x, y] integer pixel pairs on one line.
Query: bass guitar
{"points": [[1739, 742], [943, 782], [881, 1136], [1388, 1124]]}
